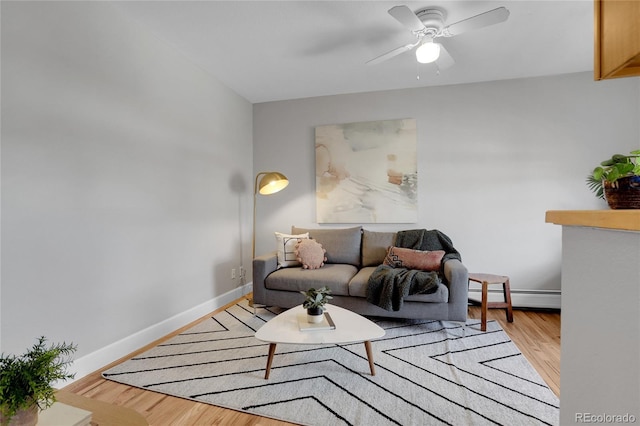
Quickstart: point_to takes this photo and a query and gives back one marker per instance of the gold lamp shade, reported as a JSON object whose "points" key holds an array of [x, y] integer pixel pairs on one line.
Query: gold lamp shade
{"points": [[272, 182]]}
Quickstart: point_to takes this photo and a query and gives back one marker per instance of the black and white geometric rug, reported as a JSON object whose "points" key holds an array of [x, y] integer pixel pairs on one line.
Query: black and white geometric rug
{"points": [[427, 373]]}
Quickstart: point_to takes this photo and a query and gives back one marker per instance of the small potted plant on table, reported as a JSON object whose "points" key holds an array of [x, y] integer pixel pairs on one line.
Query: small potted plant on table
{"points": [[314, 302], [26, 381], [617, 180]]}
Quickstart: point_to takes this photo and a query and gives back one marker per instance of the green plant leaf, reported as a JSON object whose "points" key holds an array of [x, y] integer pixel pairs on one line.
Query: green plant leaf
{"points": [[607, 163], [598, 172], [619, 158], [595, 185], [624, 168], [612, 175]]}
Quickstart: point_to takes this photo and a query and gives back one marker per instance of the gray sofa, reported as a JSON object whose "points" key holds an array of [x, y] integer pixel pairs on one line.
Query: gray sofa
{"points": [[352, 255]]}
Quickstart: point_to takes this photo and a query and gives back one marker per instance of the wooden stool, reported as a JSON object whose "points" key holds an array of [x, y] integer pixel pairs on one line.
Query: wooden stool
{"points": [[485, 280]]}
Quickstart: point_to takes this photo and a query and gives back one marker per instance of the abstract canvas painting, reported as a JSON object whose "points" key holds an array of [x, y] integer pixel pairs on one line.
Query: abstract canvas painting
{"points": [[367, 172]]}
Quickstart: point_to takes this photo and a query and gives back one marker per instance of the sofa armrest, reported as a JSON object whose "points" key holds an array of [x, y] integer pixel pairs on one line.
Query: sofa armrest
{"points": [[262, 267], [458, 278]]}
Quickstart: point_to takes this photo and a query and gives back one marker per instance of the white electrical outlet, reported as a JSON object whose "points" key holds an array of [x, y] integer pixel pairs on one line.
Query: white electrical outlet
{"points": [[242, 272], [233, 274]]}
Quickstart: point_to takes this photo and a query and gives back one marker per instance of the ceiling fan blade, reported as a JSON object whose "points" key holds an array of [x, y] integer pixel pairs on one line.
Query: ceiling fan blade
{"points": [[445, 60], [406, 17], [395, 52], [485, 19]]}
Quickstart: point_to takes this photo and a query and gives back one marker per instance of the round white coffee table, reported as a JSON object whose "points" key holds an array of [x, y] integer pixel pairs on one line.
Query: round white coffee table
{"points": [[350, 328]]}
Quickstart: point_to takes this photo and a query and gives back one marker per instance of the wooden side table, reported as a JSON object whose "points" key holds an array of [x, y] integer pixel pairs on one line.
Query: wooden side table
{"points": [[486, 280]]}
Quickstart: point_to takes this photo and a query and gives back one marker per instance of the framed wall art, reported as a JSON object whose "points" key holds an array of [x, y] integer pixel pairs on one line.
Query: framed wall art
{"points": [[367, 172]]}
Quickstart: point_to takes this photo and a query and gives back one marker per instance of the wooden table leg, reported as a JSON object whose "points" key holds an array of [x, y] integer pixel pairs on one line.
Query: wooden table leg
{"points": [[272, 350], [367, 346], [506, 289], [484, 306]]}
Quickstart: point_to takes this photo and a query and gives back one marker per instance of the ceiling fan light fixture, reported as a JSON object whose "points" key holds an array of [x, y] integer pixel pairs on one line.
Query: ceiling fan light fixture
{"points": [[428, 52]]}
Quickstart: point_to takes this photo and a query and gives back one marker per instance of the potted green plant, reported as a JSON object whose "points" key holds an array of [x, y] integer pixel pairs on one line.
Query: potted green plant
{"points": [[314, 302], [26, 381], [617, 180]]}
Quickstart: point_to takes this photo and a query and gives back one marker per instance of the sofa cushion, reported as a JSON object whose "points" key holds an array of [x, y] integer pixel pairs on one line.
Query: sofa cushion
{"points": [[358, 288], [358, 284], [342, 245], [286, 246], [398, 257], [375, 245], [334, 276], [310, 253]]}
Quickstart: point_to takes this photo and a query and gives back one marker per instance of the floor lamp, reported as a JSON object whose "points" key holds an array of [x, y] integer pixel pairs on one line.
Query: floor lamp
{"points": [[270, 183]]}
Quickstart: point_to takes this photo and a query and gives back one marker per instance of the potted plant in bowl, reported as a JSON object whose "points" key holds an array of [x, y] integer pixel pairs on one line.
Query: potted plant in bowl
{"points": [[26, 381], [314, 302], [617, 180]]}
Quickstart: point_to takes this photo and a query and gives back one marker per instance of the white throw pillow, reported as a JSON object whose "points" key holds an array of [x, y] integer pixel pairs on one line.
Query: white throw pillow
{"points": [[286, 245]]}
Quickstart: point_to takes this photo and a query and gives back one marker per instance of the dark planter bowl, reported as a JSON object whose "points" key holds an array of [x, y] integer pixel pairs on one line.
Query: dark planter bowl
{"points": [[315, 311], [623, 193], [314, 315]]}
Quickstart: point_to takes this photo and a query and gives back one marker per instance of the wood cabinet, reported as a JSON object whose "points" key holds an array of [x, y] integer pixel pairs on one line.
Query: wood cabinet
{"points": [[617, 38]]}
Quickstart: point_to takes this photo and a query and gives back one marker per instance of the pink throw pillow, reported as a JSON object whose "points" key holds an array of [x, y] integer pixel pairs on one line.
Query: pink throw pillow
{"points": [[310, 253], [398, 257]]}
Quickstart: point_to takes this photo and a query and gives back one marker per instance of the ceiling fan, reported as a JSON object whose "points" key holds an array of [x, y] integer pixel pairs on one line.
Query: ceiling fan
{"points": [[427, 24]]}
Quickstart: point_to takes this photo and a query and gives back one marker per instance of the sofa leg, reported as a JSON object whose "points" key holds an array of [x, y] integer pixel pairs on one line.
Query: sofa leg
{"points": [[254, 305], [255, 308]]}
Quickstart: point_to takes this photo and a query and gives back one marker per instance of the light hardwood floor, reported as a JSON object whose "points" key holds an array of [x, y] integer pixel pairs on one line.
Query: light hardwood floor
{"points": [[536, 333]]}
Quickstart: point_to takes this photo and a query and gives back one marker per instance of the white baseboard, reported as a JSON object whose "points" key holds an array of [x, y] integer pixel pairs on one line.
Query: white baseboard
{"points": [[535, 299], [108, 354]]}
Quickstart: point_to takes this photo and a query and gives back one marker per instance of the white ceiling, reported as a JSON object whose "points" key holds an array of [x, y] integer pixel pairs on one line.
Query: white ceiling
{"points": [[276, 50]]}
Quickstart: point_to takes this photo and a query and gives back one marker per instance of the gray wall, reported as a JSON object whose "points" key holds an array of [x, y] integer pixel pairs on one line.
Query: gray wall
{"points": [[492, 159], [126, 175]]}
